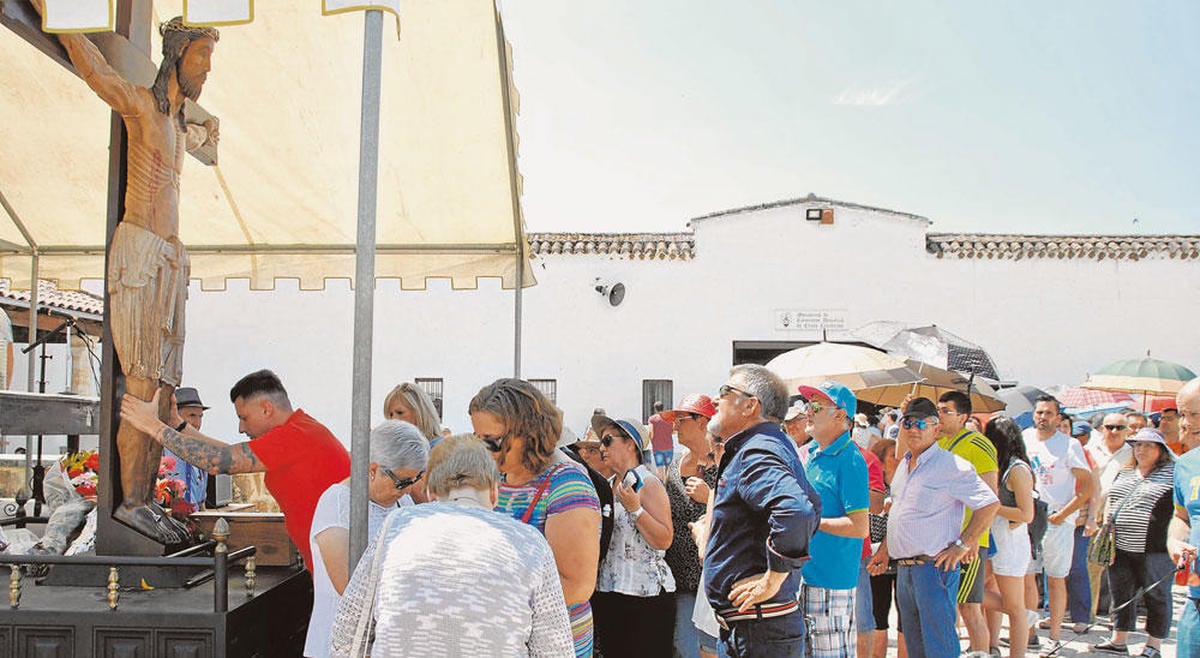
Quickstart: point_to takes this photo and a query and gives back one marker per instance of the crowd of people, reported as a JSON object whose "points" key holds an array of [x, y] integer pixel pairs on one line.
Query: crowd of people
{"points": [[775, 522]]}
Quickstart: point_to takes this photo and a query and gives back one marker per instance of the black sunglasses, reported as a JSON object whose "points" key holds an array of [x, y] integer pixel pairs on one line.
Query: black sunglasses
{"points": [[493, 443], [726, 389], [1114, 428], [607, 439], [403, 483]]}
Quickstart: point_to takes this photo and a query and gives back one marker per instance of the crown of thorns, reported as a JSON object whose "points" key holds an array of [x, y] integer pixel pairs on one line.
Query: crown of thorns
{"points": [[193, 31]]}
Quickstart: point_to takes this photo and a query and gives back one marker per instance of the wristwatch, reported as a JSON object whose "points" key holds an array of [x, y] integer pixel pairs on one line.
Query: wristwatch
{"points": [[636, 514], [182, 426], [959, 543]]}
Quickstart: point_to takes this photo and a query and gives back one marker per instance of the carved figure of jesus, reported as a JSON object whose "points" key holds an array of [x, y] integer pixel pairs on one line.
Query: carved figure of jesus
{"points": [[148, 267]]}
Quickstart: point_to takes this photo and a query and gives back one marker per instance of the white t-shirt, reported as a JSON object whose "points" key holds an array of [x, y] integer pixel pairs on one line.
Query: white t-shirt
{"points": [[333, 511], [1108, 464], [1052, 461]]}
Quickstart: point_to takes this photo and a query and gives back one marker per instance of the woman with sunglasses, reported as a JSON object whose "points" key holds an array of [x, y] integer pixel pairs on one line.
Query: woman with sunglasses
{"points": [[543, 487], [635, 592], [1140, 507], [410, 403], [399, 453]]}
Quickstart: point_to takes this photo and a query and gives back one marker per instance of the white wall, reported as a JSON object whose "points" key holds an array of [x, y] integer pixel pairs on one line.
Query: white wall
{"points": [[1045, 320]]}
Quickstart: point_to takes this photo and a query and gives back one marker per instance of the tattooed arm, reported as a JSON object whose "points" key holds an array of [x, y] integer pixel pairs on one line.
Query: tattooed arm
{"points": [[190, 445], [208, 453]]}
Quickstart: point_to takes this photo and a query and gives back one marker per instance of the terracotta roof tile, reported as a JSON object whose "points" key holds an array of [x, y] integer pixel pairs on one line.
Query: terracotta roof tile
{"points": [[49, 295], [1096, 247], [633, 246]]}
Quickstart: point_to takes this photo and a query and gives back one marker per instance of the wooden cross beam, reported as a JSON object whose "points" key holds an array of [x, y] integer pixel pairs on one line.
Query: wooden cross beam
{"points": [[131, 61]]}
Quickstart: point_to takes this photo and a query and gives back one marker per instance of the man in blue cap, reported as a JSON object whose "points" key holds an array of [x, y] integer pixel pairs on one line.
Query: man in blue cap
{"points": [[837, 470]]}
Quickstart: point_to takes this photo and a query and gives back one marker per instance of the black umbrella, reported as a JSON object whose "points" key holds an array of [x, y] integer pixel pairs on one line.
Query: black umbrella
{"points": [[943, 349]]}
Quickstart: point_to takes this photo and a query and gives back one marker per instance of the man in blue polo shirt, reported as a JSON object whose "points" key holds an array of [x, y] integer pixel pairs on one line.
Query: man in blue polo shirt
{"points": [[837, 470], [1183, 536]]}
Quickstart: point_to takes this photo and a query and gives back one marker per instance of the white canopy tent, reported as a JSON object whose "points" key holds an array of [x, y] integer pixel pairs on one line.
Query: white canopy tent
{"points": [[283, 198]]}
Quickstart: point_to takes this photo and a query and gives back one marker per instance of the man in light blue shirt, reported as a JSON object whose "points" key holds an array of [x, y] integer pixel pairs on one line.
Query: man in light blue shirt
{"points": [[931, 490], [837, 470]]}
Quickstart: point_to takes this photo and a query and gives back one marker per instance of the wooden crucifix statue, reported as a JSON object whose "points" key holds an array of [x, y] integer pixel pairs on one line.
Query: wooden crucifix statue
{"points": [[148, 267]]}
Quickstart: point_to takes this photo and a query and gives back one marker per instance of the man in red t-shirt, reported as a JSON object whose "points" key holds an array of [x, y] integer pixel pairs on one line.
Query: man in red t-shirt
{"points": [[300, 456], [662, 440]]}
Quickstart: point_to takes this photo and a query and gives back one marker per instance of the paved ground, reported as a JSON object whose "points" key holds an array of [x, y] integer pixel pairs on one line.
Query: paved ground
{"points": [[1080, 645]]}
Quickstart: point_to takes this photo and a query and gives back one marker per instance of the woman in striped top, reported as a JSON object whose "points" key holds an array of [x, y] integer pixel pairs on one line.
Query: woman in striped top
{"points": [[1140, 507], [544, 488]]}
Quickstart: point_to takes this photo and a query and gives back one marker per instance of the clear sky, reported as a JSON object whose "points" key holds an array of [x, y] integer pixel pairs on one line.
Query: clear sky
{"points": [[1072, 116]]}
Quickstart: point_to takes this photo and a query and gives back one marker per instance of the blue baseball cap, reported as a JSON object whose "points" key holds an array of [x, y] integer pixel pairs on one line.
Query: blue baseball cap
{"points": [[1079, 428], [842, 397]]}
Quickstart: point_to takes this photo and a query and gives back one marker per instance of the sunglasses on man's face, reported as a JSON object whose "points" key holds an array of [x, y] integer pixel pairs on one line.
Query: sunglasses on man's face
{"points": [[680, 417], [726, 389], [402, 483], [919, 423], [1114, 428]]}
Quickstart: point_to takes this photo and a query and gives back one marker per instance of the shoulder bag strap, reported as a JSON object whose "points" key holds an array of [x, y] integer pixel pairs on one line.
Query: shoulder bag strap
{"points": [[1112, 518], [362, 632], [538, 496]]}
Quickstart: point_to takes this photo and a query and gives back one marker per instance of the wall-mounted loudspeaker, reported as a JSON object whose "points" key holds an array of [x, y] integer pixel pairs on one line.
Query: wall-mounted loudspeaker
{"points": [[614, 292]]}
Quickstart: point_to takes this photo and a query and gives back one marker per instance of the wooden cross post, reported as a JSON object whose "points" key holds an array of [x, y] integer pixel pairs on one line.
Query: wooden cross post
{"points": [[127, 50]]}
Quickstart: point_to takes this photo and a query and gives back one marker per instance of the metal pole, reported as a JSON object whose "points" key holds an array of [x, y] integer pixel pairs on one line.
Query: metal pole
{"points": [[31, 370], [364, 282], [518, 223]]}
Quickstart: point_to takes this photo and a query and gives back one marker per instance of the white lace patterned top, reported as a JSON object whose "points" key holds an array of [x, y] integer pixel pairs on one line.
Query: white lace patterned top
{"points": [[631, 566], [333, 511], [452, 580]]}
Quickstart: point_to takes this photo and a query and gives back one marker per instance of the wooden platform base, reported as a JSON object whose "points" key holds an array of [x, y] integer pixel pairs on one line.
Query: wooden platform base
{"points": [[66, 621]]}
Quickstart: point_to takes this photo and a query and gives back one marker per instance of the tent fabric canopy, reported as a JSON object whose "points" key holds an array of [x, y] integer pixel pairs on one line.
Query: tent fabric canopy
{"points": [[282, 201]]}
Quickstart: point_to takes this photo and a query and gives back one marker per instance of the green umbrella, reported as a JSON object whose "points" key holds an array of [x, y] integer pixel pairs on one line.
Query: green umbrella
{"points": [[1146, 376]]}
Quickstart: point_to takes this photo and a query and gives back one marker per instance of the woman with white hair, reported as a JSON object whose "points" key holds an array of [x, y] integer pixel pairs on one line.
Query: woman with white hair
{"points": [[399, 453], [454, 578]]}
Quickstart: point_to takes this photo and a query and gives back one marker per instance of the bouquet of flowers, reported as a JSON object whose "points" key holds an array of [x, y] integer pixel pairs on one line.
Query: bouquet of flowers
{"points": [[169, 490], [82, 469]]}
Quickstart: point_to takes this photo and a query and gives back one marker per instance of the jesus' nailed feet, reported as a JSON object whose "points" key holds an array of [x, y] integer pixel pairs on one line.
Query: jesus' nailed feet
{"points": [[153, 522]]}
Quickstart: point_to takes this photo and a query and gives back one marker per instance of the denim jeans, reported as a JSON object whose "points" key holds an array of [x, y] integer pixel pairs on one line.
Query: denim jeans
{"points": [[686, 641], [777, 637], [926, 597], [1079, 587], [1187, 636], [864, 606]]}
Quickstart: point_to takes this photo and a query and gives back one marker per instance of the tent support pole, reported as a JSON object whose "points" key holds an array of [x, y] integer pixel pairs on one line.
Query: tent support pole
{"points": [[31, 371], [364, 283]]}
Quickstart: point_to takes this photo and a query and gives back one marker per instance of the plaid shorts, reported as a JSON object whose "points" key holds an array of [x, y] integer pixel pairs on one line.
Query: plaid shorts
{"points": [[830, 617]]}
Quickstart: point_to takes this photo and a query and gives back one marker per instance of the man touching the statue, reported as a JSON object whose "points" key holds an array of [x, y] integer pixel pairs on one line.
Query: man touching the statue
{"points": [[300, 456], [148, 267]]}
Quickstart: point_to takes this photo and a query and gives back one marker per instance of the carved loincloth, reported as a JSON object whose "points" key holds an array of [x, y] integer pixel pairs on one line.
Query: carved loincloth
{"points": [[147, 287]]}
